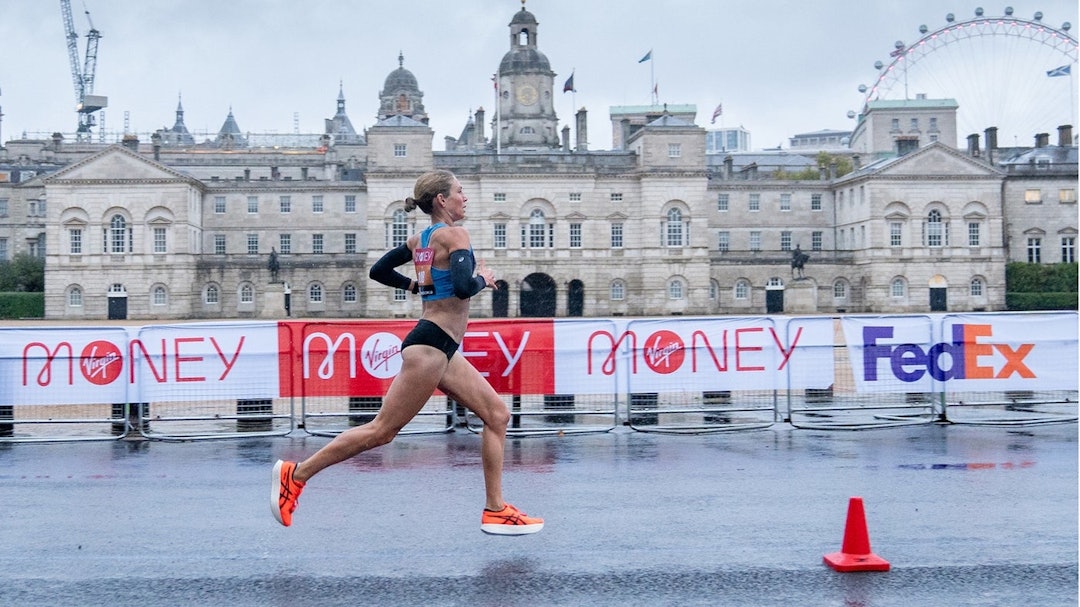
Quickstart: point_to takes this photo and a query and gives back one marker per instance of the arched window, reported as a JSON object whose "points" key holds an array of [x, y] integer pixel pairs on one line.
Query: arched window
{"points": [[159, 296], [977, 288], [898, 288], [839, 289], [75, 297], [742, 289], [315, 293], [348, 294], [675, 289], [674, 229], [247, 294], [935, 230], [212, 295], [618, 290], [119, 235], [539, 233], [399, 229]]}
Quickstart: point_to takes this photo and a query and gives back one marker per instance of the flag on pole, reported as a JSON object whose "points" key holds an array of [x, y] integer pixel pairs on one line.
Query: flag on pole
{"points": [[495, 80], [1064, 70], [719, 111], [569, 86], [647, 57], [656, 89]]}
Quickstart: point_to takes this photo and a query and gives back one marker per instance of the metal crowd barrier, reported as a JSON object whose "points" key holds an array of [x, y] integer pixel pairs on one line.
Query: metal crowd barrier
{"points": [[535, 415]]}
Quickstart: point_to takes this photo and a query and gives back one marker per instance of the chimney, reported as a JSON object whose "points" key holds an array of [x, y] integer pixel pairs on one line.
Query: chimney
{"points": [[624, 126], [155, 141], [991, 143], [582, 131], [131, 142], [1065, 135], [856, 162], [57, 139], [832, 170], [566, 137], [481, 138], [729, 167], [822, 173], [973, 145], [1042, 140]]}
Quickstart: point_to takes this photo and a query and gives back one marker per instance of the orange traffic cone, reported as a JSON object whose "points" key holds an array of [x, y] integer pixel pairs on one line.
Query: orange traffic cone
{"points": [[855, 554]]}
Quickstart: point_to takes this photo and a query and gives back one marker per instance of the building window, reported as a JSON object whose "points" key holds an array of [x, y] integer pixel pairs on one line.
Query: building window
{"points": [[616, 235], [674, 150], [317, 204], [211, 295], [742, 289], [399, 295], [839, 290], [973, 233], [933, 123], [1034, 249], [219, 205], [399, 228], [538, 233], [3, 249], [675, 289], [500, 196], [3, 207], [616, 197], [1033, 196], [317, 244], [575, 236], [618, 290], [755, 202], [120, 235], [350, 242], [815, 241], [160, 244], [722, 203], [75, 240], [348, 294], [315, 293], [785, 240], [285, 204], [1068, 249], [499, 235], [785, 202], [894, 124], [815, 202], [935, 229], [253, 205], [75, 297], [350, 203], [724, 241], [976, 287], [399, 150], [673, 232], [914, 124], [285, 244], [575, 196], [898, 288], [247, 294], [252, 244], [896, 232], [1067, 196], [219, 244], [755, 241]]}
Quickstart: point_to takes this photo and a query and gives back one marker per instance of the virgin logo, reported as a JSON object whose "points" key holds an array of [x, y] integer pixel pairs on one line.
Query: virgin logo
{"points": [[664, 352], [101, 362], [381, 355]]}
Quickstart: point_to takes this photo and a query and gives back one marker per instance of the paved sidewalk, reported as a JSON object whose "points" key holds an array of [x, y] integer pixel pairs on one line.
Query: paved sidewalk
{"points": [[965, 515]]}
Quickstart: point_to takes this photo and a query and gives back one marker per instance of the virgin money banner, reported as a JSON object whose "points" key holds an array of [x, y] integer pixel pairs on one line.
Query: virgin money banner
{"points": [[361, 358], [963, 352], [692, 354], [80, 365]]}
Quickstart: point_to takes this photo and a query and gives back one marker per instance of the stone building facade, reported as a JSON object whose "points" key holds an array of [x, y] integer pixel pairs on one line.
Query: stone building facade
{"points": [[654, 226]]}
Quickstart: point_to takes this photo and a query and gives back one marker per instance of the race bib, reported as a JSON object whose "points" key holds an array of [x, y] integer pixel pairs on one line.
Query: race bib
{"points": [[422, 258]]}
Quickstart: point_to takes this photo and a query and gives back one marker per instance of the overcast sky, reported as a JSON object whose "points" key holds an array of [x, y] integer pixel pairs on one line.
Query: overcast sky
{"points": [[779, 67]]}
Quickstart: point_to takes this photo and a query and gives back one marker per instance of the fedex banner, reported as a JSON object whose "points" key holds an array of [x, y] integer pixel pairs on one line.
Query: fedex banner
{"points": [[962, 353], [217, 361]]}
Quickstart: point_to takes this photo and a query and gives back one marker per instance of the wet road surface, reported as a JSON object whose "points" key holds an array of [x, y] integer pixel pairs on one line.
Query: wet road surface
{"points": [[965, 515]]}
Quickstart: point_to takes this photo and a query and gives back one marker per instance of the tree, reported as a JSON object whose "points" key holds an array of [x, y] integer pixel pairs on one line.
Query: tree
{"points": [[24, 273]]}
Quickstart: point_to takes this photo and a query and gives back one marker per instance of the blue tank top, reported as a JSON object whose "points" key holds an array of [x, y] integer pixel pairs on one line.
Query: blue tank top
{"points": [[434, 283]]}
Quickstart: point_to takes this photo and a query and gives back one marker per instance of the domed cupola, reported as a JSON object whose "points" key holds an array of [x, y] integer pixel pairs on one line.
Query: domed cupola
{"points": [[526, 113], [401, 95]]}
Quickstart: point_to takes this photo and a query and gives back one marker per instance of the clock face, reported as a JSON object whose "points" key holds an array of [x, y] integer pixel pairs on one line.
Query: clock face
{"points": [[526, 94]]}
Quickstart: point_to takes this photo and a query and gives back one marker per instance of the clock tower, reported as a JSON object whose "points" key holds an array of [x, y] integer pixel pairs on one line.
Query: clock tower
{"points": [[526, 115]]}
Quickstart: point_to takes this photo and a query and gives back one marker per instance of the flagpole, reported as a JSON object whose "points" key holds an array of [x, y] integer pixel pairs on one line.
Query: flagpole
{"points": [[652, 79], [498, 114]]}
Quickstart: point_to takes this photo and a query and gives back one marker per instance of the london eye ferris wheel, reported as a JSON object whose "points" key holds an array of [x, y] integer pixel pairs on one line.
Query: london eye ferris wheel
{"points": [[1016, 74]]}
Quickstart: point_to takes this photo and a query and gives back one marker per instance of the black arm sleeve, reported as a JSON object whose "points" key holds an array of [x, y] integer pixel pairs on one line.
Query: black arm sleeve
{"points": [[384, 270], [462, 266]]}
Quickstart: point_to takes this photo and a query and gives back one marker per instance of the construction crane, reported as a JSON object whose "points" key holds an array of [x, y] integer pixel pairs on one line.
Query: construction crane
{"points": [[86, 102]]}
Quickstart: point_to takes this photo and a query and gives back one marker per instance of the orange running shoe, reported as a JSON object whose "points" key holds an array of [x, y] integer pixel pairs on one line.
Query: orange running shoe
{"points": [[509, 521], [284, 492]]}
